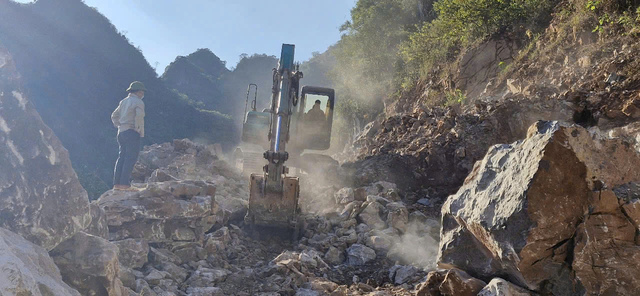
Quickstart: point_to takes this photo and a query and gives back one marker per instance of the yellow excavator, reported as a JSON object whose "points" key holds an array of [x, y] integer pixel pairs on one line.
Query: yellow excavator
{"points": [[293, 125]]}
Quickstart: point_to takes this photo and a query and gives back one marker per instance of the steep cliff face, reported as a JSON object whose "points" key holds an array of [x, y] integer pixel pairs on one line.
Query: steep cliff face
{"points": [[76, 67]]}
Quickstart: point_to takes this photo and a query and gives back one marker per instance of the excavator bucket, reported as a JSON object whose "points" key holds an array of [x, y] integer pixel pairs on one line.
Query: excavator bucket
{"points": [[274, 209]]}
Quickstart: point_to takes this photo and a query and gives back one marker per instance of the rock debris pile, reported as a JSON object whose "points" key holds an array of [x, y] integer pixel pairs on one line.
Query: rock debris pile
{"points": [[181, 237]]}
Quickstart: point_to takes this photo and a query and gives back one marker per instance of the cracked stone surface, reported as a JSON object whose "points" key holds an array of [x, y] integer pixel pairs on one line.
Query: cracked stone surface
{"points": [[538, 213], [40, 195]]}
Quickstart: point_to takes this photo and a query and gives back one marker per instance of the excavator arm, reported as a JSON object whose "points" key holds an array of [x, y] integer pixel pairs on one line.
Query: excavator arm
{"points": [[273, 198]]}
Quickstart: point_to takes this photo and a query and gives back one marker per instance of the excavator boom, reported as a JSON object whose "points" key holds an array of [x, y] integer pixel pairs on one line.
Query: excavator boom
{"points": [[273, 198]]}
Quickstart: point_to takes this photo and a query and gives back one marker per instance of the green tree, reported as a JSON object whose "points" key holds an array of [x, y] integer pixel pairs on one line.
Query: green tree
{"points": [[462, 23]]}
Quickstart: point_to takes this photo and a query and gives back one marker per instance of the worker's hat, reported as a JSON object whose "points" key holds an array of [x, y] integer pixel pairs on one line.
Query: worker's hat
{"points": [[136, 86]]}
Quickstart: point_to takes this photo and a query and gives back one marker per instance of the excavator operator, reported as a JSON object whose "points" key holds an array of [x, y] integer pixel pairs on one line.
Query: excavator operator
{"points": [[315, 115], [315, 122]]}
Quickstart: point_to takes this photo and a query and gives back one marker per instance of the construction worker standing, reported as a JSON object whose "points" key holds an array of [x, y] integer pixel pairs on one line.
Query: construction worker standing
{"points": [[129, 119]]}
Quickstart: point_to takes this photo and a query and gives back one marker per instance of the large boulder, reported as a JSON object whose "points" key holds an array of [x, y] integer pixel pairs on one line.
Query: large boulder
{"points": [[27, 269], [90, 265], [40, 195], [162, 212], [548, 213]]}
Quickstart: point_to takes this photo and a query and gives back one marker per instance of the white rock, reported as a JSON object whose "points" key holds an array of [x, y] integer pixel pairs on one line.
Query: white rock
{"points": [[500, 287], [27, 269]]}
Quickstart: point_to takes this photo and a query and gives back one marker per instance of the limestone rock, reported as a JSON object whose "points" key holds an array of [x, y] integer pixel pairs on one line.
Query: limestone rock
{"points": [[27, 269], [458, 282], [98, 226], [334, 256], [217, 241], [401, 274], [188, 252], [500, 287], [184, 160], [527, 206], [431, 286], [207, 291], [40, 195], [380, 243], [162, 255], [482, 62], [89, 264], [359, 254], [371, 215], [161, 212], [450, 282], [323, 285], [235, 208], [606, 254], [344, 196], [174, 271], [306, 292], [398, 216], [128, 277], [160, 175], [205, 277], [390, 168], [133, 253]]}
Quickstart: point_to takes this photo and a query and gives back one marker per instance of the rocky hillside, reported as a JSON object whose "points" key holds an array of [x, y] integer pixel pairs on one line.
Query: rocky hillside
{"points": [[198, 76], [205, 79], [76, 66], [524, 182], [571, 74]]}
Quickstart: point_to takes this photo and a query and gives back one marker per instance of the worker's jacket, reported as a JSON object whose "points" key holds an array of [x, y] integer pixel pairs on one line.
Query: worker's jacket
{"points": [[315, 115], [129, 115]]}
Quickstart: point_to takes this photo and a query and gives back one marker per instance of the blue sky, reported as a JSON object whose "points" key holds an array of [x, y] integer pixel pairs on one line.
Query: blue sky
{"points": [[164, 29]]}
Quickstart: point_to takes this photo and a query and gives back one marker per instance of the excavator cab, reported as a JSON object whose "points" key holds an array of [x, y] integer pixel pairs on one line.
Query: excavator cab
{"points": [[315, 118]]}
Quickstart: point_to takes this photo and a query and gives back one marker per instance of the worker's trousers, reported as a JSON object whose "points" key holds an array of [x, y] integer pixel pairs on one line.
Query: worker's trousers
{"points": [[129, 142]]}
